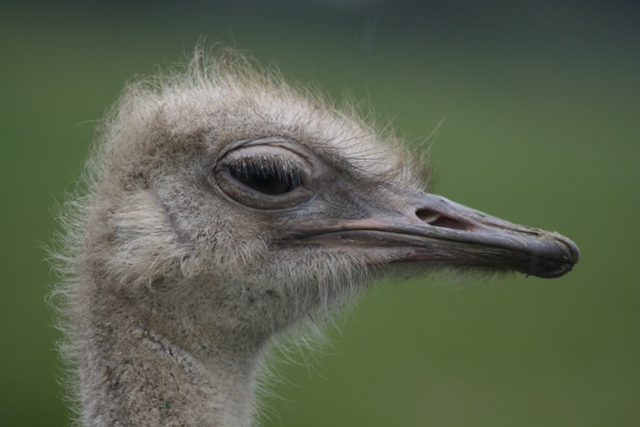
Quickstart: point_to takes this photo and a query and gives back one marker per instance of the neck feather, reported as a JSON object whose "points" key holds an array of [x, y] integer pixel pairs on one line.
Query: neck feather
{"points": [[135, 370]]}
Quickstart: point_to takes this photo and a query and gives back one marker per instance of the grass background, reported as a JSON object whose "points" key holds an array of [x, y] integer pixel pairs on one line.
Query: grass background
{"points": [[542, 108]]}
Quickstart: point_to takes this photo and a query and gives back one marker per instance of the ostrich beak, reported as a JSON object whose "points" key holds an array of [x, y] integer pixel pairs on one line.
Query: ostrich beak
{"points": [[439, 232]]}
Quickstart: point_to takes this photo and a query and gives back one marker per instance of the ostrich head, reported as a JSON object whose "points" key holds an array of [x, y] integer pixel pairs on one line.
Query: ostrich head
{"points": [[225, 205]]}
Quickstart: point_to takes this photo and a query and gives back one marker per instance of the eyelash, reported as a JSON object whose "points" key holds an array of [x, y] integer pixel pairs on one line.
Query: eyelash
{"points": [[267, 175]]}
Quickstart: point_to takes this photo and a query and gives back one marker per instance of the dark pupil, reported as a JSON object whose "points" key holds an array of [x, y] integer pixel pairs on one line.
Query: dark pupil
{"points": [[267, 181]]}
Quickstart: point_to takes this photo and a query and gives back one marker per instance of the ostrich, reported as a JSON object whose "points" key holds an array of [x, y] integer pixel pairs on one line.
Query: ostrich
{"points": [[223, 208]]}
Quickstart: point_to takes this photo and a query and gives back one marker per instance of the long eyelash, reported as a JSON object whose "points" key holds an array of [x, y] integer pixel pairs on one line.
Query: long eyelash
{"points": [[264, 167]]}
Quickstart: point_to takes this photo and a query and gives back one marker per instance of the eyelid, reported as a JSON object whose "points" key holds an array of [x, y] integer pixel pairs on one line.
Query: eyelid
{"points": [[279, 157], [280, 149], [271, 141]]}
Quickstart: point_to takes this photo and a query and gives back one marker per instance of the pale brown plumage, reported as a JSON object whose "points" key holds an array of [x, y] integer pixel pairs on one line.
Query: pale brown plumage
{"points": [[224, 206]]}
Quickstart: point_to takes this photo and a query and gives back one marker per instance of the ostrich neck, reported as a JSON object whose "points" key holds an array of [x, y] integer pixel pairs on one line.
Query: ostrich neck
{"points": [[144, 363]]}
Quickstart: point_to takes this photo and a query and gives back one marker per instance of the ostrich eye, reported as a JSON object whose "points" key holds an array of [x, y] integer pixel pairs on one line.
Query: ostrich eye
{"points": [[265, 174]]}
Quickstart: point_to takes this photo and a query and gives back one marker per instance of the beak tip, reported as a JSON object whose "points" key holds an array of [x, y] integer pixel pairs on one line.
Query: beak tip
{"points": [[567, 258], [572, 253]]}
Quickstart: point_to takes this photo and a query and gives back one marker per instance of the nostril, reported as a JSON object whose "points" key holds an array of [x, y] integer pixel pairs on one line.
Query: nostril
{"points": [[437, 220], [445, 222], [427, 215]]}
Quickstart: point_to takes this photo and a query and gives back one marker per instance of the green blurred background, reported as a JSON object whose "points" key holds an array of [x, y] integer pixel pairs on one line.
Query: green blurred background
{"points": [[542, 108]]}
